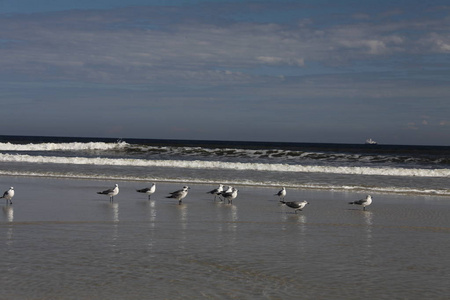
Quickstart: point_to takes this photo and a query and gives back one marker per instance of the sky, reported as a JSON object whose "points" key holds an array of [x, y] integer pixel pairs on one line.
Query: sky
{"points": [[270, 70]]}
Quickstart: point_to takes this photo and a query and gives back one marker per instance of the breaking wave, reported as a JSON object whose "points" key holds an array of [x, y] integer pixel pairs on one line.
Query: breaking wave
{"points": [[228, 153], [75, 146], [218, 165]]}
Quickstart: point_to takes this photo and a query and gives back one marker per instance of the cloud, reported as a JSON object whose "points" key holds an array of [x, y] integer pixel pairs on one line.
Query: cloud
{"points": [[179, 44], [412, 126], [196, 53], [270, 60], [438, 42]]}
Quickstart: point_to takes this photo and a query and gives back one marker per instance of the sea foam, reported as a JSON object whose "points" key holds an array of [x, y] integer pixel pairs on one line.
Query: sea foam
{"points": [[218, 165], [75, 146]]}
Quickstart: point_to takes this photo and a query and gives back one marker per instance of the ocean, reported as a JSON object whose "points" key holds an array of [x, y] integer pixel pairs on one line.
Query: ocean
{"points": [[60, 239], [352, 167]]}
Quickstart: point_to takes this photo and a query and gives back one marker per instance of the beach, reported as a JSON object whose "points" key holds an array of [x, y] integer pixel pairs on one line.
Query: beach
{"points": [[61, 240]]}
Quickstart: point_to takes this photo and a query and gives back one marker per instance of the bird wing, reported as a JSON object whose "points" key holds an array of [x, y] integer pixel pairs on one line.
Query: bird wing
{"points": [[214, 191], [106, 192], [176, 194], [293, 204]]}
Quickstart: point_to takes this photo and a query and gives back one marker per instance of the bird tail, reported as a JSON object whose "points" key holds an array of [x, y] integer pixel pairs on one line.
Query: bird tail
{"points": [[282, 201], [352, 202]]}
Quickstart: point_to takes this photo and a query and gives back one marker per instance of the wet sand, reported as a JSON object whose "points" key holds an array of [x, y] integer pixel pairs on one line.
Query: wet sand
{"points": [[61, 240]]}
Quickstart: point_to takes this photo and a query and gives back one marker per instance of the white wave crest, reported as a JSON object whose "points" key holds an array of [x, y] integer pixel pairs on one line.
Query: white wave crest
{"points": [[197, 164], [75, 146]]}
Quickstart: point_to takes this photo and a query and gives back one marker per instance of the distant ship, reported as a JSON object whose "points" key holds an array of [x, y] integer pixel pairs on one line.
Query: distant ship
{"points": [[371, 142]]}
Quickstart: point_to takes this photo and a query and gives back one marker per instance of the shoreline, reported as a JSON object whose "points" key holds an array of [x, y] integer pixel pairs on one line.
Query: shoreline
{"points": [[72, 187], [356, 189]]}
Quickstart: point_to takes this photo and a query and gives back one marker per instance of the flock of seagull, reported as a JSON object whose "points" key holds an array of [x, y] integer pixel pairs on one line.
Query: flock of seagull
{"points": [[228, 194]]}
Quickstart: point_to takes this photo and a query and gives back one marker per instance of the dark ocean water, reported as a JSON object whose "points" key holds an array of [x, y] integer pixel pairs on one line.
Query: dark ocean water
{"points": [[357, 167]]}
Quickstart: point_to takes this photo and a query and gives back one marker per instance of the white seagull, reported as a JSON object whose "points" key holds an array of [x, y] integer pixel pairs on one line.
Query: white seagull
{"points": [[180, 194], [363, 202], [149, 191], [110, 192], [281, 193], [230, 195], [296, 205], [228, 190], [8, 195], [217, 191]]}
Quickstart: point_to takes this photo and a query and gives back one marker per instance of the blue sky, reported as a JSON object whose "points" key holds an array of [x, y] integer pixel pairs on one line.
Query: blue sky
{"points": [[297, 71]]}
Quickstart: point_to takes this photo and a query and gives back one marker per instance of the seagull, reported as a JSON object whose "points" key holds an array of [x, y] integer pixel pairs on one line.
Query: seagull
{"points": [[149, 191], [8, 195], [364, 202], [228, 190], [296, 205], [230, 195], [180, 194], [281, 193], [111, 192], [217, 191]]}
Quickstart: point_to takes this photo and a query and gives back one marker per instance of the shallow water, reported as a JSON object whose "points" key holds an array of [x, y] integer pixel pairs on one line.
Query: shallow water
{"points": [[60, 240]]}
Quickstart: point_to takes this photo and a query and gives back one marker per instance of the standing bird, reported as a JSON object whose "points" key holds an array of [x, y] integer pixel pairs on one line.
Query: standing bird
{"points": [[225, 191], [149, 191], [296, 205], [8, 195], [281, 193], [111, 192], [217, 191], [180, 194], [363, 202], [230, 195]]}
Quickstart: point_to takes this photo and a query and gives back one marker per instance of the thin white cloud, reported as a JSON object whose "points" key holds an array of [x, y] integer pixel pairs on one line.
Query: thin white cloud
{"points": [[439, 42], [412, 126], [270, 60], [110, 46]]}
